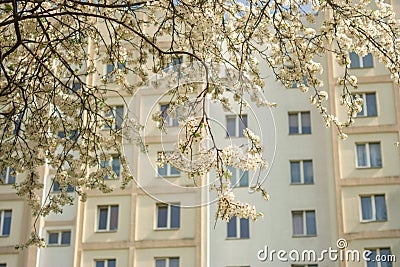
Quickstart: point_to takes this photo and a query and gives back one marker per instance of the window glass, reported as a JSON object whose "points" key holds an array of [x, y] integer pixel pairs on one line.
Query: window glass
{"points": [[161, 263], [242, 124], [308, 172], [361, 155], [371, 104], [375, 154], [231, 126], [366, 208], [305, 123], [244, 228], [7, 222], [53, 238], [174, 262], [66, 238], [295, 172], [244, 178], [112, 263], [103, 214], [368, 61], [355, 60], [114, 218], [162, 216], [380, 206], [293, 124], [175, 216], [116, 166], [310, 223], [232, 227], [297, 217]]}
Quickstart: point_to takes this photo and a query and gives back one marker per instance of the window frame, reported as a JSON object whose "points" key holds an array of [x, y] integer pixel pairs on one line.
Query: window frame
{"points": [[238, 228], [168, 217], [109, 218], [237, 172], [167, 260], [302, 171], [113, 113], [373, 208], [59, 238], [304, 223], [105, 261], [239, 119], [364, 110], [299, 115], [166, 166], [6, 176], [109, 163], [368, 155], [360, 64], [2, 219], [169, 121], [378, 252], [56, 189]]}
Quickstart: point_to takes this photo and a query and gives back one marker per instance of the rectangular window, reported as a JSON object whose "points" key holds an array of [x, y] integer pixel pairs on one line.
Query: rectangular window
{"points": [[235, 125], [58, 188], [106, 263], [115, 164], [7, 176], [167, 262], [3, 264], [117, 114], [373, 208], [170, 116], [357, 62], [301, 172], [5, 222], [168, 216], [369, 155], [173, 65], [299, 122], [238, 228], [107, 218], [240, 178], [369, 108], [59, 238], [166, 169], [304, 223], [380, 257]]}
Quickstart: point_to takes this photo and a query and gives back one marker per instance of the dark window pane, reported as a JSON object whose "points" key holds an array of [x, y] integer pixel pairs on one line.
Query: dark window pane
{"points": [[162, 171], [161, 263], [121, 65], [244, 178], [76, 86], [100, 264], [114, 218], [242, 124], [355, 60], [244, 228], [70, 188], [380, 206], [305, 123], [366, 208], [7, 222], [310, 223], [174, 262], [293, 124], [232, 227], [116, 166], [361, 155], [230, 126], [295, 177], [103, 217], [297, 219], [375, 154], [66, 238], [173, 170], [162, 216], [371, 261], [112, 263], [175, 216], [368, 61], [119, 116], [53, 238], [363, 112], [56, 186], [308, 171], [385, 254], [109, 68], [371, 104]]}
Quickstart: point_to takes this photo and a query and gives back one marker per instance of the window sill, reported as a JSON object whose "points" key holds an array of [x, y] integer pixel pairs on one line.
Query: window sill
{"points": [[237, 238], [168, 176], [235, 137], [302, 183], [57, 245], [297, 134], [4, 236], [106, 231], [372, 221], [303, 236], [366, 116], [361, 68], [368, 167], [166, 229]]}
